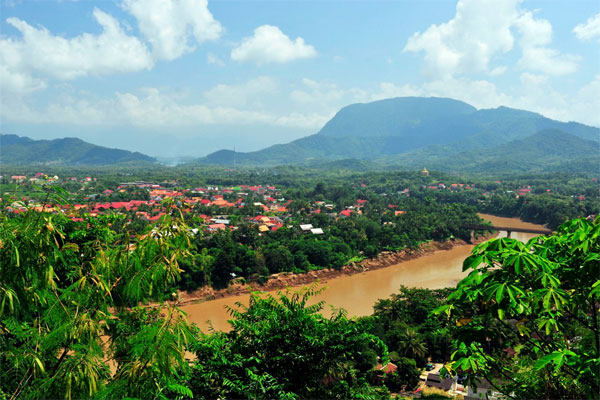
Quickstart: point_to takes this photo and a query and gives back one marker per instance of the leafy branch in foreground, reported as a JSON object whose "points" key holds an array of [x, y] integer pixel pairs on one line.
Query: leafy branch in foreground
{"points": [[65, 288], [528, 314]]}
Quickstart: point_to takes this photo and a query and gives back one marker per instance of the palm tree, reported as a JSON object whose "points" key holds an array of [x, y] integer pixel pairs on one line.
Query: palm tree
{"points": [[411, 345]]}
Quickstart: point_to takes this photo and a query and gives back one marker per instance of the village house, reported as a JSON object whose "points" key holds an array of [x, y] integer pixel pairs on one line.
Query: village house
{"points": [[483, 390], [18, 178]]}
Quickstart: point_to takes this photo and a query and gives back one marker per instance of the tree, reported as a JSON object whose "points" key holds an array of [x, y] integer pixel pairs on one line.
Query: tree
{"points": [[411, 345], [528, 314], [283, 347], [65, 293]]}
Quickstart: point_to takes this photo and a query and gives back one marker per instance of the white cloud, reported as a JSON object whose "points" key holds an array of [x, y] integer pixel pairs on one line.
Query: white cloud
{"points": [[169, 25], [467, 43], [151, 108], [15, 83], [589, 30], [482, 30], [270, 45], [536, 34], [587, 103], [248, 93], [41, 52]]}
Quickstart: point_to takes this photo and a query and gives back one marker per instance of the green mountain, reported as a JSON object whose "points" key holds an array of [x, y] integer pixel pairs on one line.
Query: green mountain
{"points": [[403, 129], [544, 151], [68, 151]]}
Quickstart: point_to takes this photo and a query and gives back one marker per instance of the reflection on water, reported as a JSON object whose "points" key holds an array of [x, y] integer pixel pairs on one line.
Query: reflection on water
{"points": [[358, 293]]}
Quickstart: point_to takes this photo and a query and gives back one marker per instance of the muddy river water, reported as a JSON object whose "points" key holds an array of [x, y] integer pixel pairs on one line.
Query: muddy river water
{"points": [[358, 293]]}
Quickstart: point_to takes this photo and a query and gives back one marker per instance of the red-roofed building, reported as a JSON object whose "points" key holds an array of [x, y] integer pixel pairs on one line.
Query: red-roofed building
{"points": [[389, 368], [216, 227], [156, 217], [346, 213], [524, 191]]}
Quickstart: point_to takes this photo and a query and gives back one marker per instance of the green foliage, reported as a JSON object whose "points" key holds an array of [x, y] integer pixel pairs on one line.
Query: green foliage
{"points": [[64, 286], [403, 323], [528, 314], [282, 347]]}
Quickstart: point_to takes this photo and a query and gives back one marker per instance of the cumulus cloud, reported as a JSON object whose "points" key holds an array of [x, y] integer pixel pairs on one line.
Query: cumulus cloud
{"points": [[15, 83], [536, 34], [480, 31], [270, 45], [467, 43], [41, 52], [170, 25], [589, 30]]}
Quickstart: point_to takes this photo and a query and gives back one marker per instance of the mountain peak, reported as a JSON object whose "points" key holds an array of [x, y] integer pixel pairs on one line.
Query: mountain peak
{"points": [[395, 116]]}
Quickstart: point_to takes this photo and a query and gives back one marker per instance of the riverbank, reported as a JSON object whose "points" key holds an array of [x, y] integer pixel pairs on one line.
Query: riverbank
{"points": [[285, 280]]}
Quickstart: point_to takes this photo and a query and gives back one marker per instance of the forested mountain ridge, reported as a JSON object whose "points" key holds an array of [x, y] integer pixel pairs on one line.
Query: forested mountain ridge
{"points": [[383, 129], [547, 150], [67, 151]]}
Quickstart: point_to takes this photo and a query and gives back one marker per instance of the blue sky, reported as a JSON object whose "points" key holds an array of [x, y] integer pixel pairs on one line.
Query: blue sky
{"points": [[188, 77]]}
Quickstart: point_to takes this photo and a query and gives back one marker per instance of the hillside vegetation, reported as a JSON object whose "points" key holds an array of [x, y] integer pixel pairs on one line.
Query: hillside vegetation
{"points": [[68, 151], [411, 131]]}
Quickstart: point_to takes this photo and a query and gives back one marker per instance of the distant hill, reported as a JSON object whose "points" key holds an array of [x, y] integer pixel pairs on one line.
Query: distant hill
{"points": [[385, 130], [68, 151], [544, 151]]}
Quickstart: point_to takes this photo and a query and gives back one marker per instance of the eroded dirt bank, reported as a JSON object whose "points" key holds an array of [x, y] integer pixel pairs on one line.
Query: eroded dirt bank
{"points": [[287, 279]]}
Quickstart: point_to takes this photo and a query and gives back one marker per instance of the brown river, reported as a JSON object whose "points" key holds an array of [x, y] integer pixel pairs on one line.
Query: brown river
{"points": [[358, 293]]}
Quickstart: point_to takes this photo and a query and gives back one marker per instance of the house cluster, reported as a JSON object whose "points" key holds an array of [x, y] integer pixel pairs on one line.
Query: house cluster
{"points": [[38, 178], [265, 199], [524, 191], [455, 386], [270, 211], [356, 208], [41, 177]]}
